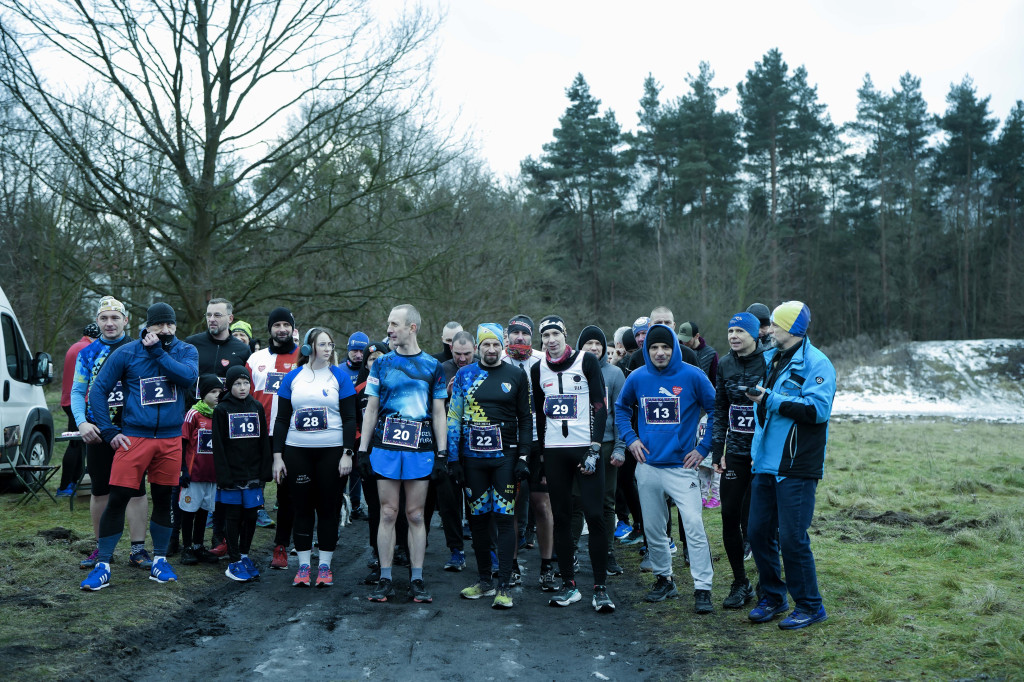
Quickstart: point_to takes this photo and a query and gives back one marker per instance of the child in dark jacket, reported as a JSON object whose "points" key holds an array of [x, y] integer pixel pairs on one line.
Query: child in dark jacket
{"points": [[241, 454], [198, 476]]}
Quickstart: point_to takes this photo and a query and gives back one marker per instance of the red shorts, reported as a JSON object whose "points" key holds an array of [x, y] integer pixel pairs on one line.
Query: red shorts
{"points": [[161, 457]]}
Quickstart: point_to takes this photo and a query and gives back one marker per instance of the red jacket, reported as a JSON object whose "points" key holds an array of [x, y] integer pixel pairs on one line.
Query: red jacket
{"points": [[69, 369]]}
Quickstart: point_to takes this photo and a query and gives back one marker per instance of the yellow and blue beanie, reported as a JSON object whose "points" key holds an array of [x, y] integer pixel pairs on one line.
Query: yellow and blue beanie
{"points": [[490, 330], [792, 316]]}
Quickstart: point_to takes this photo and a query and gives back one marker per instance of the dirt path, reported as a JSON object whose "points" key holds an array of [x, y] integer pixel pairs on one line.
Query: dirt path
{"points": [[271, 629]]}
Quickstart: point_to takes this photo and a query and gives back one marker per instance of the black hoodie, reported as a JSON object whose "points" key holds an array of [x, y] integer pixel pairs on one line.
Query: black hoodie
{"points": [[241, 444]]}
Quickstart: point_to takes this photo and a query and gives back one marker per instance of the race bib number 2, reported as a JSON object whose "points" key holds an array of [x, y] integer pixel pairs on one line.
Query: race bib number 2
{"points": [[244, 425], [402, 433], [661, 410], [157, 390], [561, 406]]}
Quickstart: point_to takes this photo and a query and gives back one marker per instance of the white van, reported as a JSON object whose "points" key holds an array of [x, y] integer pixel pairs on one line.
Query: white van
{"points": [[25, 420]]}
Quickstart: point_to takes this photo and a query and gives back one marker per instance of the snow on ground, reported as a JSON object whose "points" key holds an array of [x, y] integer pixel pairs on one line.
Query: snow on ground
{"points": [[978, 379]]}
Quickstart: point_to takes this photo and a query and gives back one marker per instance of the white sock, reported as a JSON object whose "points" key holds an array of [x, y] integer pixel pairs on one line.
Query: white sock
{"points": [[305, 556], [325, 558], [245, 556], [158, 558]]}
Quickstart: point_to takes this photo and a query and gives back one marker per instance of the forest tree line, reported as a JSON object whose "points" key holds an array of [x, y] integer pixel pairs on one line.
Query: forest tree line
{"points": [[151, 180]]}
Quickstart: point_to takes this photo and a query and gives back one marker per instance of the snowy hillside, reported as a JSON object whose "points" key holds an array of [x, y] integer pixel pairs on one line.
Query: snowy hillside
{"points": [[980, 379]]}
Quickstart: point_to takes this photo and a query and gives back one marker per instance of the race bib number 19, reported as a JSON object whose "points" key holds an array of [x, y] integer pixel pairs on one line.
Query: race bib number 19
{"points": [[157, 390], [661, 410], [561, 406], [402, 433], [244, 425]]}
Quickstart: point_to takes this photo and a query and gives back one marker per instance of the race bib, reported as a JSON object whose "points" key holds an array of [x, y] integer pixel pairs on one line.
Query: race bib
{"points": [[402, 433], [116, 396], [273, 382], [244, 425], [561, 406], [311, 419], [485, 438], [204, 443], [661, 410], [157, 390], [741, 418]]}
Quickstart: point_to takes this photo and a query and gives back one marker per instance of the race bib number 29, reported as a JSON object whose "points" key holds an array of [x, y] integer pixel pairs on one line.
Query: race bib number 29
{"points": [[561, 406]]}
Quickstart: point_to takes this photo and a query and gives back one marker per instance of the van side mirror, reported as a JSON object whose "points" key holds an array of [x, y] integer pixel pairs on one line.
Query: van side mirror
{"points": [[42, 369]]}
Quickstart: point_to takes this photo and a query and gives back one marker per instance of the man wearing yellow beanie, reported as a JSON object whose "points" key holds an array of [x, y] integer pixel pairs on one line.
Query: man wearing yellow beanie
{"points": [[794, 403]]}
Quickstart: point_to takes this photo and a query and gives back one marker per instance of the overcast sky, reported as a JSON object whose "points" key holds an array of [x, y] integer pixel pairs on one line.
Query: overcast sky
{"points": [[505, 65]]}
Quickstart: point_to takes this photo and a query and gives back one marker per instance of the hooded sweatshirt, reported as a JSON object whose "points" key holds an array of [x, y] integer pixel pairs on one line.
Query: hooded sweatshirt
{"points": [[668, 402], [241, 443], [613, 380]]}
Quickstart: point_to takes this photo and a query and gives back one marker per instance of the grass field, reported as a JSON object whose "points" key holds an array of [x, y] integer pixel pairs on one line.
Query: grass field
{"points": [[918, 534]]}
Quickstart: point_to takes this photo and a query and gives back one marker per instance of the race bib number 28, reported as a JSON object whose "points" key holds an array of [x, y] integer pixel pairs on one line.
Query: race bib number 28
{"points": [[311, 419]]}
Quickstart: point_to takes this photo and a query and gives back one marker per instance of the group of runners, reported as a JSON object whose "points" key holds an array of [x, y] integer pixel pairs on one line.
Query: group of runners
{"points": [[539, 441]]}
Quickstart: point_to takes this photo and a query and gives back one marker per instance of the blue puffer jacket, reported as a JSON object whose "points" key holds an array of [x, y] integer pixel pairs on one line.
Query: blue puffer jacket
{"points": [[791, 425], [133, 364]]}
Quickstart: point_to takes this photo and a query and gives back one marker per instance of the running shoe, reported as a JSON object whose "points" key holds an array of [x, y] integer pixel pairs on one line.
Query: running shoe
{"points": [[712, 503], [98, 578], [547, 581], [162, 572], [613, 565], [516, 577], [90, 561], [401, 557], [634, 537], [188, 557], [457, 562], [220, 550], [766, 610], [569, 594], [324, 577], [646, 566], [664, 588], [250, 568], [205, 556], [385, 590], [66, 492], [601, 602], [236, 571], [739, 595], [478, 590], [419, 592], [529, 540], [748, 553], [502, 598], [575, 567], [622, 529], [672, 546], [280, 559], [801, 619], [373, 577], [140, 559], [702, 601], [263, 519], [301, 577], [359, 514]]}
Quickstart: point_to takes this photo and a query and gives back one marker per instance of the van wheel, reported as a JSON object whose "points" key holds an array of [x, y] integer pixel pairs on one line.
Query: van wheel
{"points": [[36, 452]]}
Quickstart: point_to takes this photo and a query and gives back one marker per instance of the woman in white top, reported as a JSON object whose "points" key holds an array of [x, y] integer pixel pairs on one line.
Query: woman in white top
{"points": [[314, 434]]}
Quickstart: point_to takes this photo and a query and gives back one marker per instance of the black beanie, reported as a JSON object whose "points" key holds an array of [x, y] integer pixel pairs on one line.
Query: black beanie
{"points": [[590, 333], [280, 315], [207, 383], [234, 374], [761, 312], [659, 333], [554, 322], [521, 322], [629, 340], [159, 313]]}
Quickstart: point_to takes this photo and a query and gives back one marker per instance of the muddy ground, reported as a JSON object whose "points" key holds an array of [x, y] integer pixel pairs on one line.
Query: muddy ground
{"points": [[271, 629]]}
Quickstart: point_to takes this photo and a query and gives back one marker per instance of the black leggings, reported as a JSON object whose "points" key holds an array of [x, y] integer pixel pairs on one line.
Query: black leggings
{"points": [[71, 465], [285, 513], [562, 468], [735, 494], [316, 491], [193, 526], [239, 527], [627, 486], [491, 493]]}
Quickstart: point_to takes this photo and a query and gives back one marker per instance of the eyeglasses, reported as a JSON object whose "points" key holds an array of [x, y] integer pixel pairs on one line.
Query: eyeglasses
{"points": [[217, 315], [325, 344]]}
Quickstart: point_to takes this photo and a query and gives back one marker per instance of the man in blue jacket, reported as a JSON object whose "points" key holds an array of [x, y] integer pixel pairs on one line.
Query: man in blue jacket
{"points": [[668, 395], [158, 373], [788, 459]]}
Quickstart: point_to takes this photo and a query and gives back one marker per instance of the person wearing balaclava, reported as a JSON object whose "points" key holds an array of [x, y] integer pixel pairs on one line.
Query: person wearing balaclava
{"points": [[159, 373]]}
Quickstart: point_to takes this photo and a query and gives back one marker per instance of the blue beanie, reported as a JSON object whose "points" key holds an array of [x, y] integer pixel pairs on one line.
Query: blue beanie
{"points": [[490, 330], [747, 322], [642, 324], [358, 341]]}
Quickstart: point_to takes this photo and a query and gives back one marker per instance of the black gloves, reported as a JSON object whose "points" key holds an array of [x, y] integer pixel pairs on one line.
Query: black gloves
{"points": [[522, 469]]}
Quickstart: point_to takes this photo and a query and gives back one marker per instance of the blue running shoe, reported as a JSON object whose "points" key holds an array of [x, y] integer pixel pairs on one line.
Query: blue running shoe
{"points": [[98, 578], [140, 559], [250, 568], [800, 619], [622, 529], [457, 562], [67, 492], [209, 522], [236, 571], [672, 546], [162, 572], [263, 519], [90, 561], [766, 610]]}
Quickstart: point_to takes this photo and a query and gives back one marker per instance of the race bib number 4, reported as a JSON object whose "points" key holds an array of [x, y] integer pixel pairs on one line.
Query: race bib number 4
{"points": [[204, 443], [311, 419], [273, 382], [244, 425], [157, 390], [401, 433], [741, 418], [116, 396], [485, 438], [661, 410], [561, 406]]}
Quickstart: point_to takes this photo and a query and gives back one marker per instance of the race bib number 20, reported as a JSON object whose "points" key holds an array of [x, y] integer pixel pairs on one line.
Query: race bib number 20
{"points": [[402, 433]]}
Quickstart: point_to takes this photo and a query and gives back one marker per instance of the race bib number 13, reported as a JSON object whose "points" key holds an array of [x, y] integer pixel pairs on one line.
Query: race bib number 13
{"points": [[661, 410], [157, 390], [244, 425]]}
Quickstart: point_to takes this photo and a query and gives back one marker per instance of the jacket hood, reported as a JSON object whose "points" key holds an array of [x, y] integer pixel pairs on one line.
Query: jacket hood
{"points": [[590, 333], [675, 363]]}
